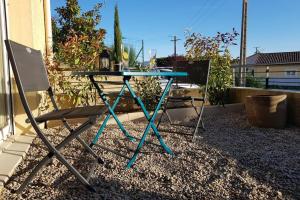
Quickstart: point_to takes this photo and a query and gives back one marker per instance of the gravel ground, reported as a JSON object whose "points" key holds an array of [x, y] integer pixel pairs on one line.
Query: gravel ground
{"points": [[230, 160]]}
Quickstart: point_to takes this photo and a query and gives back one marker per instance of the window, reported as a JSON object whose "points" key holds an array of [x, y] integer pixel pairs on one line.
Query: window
{"points": [[291, 73]]}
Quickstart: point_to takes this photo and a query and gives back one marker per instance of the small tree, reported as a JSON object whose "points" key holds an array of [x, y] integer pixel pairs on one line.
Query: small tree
{"points": [[117, 38], [77, 44], [77, 40], [216, 49]]}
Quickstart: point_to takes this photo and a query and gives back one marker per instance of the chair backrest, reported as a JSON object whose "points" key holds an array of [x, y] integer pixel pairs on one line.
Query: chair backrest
{"points": [[198, 71], [30, 75], [28, 67]]}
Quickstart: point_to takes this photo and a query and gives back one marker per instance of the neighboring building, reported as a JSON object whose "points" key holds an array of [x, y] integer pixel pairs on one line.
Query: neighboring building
{"points": [[27, 22], [283, 67]]}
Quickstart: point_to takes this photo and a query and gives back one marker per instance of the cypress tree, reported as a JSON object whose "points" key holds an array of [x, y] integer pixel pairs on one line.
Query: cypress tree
{"points": [[117, 38]]}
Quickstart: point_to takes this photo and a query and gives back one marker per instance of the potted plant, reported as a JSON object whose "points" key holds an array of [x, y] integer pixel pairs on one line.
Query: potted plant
{"points": [[268, 111]]}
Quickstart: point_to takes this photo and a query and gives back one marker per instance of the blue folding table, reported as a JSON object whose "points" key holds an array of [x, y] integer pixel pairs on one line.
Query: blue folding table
{"points": [[127, 75]]}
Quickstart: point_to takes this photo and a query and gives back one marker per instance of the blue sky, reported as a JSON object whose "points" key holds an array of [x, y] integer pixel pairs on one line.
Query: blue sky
{"points": [[273, 25]]}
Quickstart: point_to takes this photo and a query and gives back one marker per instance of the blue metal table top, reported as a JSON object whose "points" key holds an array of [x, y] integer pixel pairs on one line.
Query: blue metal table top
{"points": [[128, 73]]}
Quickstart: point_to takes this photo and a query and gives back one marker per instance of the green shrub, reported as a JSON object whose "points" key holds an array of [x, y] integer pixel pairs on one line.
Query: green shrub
{"points": [[148, 88], [220, 79], [215, 48], [252, 81]]}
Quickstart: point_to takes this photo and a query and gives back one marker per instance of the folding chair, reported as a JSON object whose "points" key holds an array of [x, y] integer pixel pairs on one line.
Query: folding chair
{"points": [[31, 76], [198, 74]]}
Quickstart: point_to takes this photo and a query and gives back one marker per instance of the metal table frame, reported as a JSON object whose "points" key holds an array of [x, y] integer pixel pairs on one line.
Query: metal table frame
{"points": [[126, 78]]}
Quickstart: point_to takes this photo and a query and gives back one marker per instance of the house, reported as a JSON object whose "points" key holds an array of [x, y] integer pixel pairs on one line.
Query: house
{"points": [[283, 68], [27, 22]]}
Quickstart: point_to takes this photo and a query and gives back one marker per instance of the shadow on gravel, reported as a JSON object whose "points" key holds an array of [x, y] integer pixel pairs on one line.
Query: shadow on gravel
{"points": [[231, 160], [271, 156], [70, 188], [105, 188]]}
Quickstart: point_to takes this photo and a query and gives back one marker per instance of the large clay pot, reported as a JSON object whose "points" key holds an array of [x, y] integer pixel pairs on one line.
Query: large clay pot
{"points": [[268, 111]]}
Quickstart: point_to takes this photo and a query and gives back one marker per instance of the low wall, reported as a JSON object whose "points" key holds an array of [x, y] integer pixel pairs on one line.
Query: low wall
{"points": [[239, 94], [113, 85], [127, 108]]}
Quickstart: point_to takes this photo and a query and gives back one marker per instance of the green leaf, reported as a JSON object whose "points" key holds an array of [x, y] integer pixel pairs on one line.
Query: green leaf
{"points": [[77, 61]]}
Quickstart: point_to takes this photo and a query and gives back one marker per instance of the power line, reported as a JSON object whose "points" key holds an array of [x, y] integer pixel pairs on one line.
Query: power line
{"points": [[219, 4], [196, 15], [206, 6]]}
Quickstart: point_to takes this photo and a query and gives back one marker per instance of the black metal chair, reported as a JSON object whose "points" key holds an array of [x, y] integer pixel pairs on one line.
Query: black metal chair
{"points": [[198, 74], [31, 76]]}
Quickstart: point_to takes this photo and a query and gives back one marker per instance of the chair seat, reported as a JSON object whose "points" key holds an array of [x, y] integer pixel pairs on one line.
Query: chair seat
{"points": [[184, 98], [72, 113]]}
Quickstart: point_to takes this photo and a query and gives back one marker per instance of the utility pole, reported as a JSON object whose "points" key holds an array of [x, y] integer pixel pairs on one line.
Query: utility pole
{"points": [[243, 46], [143, 53], [175, 39]]}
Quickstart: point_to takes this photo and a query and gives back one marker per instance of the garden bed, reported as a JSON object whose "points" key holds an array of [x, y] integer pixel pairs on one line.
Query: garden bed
{"points": [[230, 160]]}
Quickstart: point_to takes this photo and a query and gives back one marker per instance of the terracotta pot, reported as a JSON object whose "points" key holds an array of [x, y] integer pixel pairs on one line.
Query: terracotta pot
{"points": [[268, 111]]}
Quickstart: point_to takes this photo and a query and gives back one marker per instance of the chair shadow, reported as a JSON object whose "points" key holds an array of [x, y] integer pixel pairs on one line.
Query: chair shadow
{"points": [[124, 148], [105, 189], [167, 128], [70, 187]]}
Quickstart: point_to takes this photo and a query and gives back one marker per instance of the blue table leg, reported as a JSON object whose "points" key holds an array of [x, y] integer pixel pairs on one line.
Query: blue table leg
{"points": [[111, 112], [150, 119]]}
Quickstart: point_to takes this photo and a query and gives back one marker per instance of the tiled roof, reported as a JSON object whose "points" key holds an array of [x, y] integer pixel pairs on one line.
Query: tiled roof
{"points": [[274, 58]]}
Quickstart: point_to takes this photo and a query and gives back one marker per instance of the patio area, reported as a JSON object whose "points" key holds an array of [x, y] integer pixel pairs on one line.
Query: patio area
{"points": [[230, 159]]}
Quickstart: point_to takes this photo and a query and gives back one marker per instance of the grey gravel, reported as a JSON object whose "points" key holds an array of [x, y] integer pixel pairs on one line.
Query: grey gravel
{"points": [[230, 160]]}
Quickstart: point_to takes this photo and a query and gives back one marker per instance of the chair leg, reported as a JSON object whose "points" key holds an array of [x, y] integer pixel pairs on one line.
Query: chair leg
{"points": [[35, 170], [202, 125], [194, 106], [44, 161], [164, 112], [54, 151], [75, 172], [88, 148], [83, 143], [199, 120], [169, 118], [160, 118], [196, 129]]}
